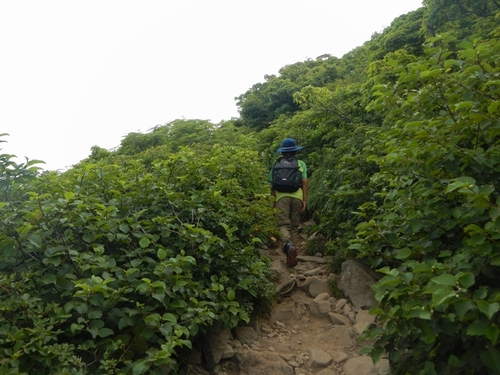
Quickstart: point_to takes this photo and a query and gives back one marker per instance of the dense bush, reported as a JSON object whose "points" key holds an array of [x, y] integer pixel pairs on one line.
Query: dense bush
{"points": [[436, 232], [115, 268]]}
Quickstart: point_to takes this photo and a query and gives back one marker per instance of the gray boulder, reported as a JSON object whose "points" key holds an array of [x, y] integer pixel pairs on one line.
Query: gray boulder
{"points": [[355, 282]]}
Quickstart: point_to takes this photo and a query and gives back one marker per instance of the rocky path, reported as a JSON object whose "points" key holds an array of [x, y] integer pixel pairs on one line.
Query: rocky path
{"points": [[308, 332]]}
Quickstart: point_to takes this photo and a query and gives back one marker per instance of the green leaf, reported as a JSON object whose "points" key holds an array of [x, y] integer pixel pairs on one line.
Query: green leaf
{"points": [[88, 237], [444, 279], [477, 238], [68, 306], [230, 295], [476, 329], [144, 242], [75, 328], [69, 195], [81, 308], [392, 238], [403, 253], [459, 183], [35, 240], [95, 314], [135, 262], [161, 254], [49, 279], [169, 317], [462, 307], [94, 327], [376, 354], [466, 44], [159, 296], [194, 329], [453, 361], [54, 260], [416, 224], [468, 53], [491, 358], [445, 254], [450, 63], [124, 228], [105, 332], [125, 321], [467, 104], [466, 280], [481, 293], [493, 107], [178, 303], [441, 295], [492, 333], [140, 368], [430, 338], [425, 315], [494, 213], [453, 186], [488, 309]]}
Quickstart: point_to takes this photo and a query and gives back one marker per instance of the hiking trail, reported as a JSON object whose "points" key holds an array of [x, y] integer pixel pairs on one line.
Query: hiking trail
{"points": [[308, 331]]}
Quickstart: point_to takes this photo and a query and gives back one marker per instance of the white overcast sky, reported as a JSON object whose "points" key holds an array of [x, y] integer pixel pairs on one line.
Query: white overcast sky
{"points": [[74, 74]]}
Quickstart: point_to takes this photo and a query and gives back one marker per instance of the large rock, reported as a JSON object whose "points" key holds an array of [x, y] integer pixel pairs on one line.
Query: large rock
{"points": [[327, 371], [337, 337], [339, 319], [363, 320], [320, 260], [318, 286], [280, 270], [246, 335], [339, 356], [214, 345], [362, 365], [355, 282], [319, 358], [282, 314], [196, 370], [257, 363], [286, 287]]}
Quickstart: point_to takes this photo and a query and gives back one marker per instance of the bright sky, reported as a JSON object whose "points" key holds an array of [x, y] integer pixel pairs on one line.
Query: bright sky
{"points": [[74, 74]]}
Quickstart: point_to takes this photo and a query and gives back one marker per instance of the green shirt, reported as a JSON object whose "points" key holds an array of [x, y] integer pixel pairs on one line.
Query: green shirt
{"points": [[296, 194]]}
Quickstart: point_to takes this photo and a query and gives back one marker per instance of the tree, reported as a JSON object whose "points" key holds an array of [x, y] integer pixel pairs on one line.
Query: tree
{"points": [[265, 102], [458, 15], [173, 135]]}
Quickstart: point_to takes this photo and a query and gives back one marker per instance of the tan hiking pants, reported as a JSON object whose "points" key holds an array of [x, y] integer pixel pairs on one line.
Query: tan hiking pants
{"points": [[289, 218]]}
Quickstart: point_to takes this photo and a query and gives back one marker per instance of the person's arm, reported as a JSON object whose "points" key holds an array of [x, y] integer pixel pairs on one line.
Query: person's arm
{"points": [[304, 195]]}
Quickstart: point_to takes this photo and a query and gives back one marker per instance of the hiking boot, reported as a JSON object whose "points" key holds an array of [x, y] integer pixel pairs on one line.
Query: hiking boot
{"points": [[291, 254], [287, 246]]}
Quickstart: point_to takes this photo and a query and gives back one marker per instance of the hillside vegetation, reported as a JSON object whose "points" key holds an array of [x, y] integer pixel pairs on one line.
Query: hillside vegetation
{"points": [[118, 264]]}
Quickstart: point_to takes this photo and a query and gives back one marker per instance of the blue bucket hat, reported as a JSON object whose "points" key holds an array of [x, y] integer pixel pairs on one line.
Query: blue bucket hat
{"points": [[289, 145]]}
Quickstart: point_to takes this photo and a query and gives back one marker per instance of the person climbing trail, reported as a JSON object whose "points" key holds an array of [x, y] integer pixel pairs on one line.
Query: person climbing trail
{"points": [[288, 178]]}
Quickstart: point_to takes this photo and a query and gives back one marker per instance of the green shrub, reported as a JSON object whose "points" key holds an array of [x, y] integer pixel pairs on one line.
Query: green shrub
{"points": [[436, 233], [113, 268]]}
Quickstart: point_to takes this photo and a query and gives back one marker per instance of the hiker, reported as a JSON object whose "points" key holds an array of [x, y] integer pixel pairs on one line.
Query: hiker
{"points": [[289, 186]]}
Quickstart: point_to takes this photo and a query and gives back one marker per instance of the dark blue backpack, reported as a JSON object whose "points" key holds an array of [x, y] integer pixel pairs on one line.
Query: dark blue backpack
{"points": [[286, 175]]}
